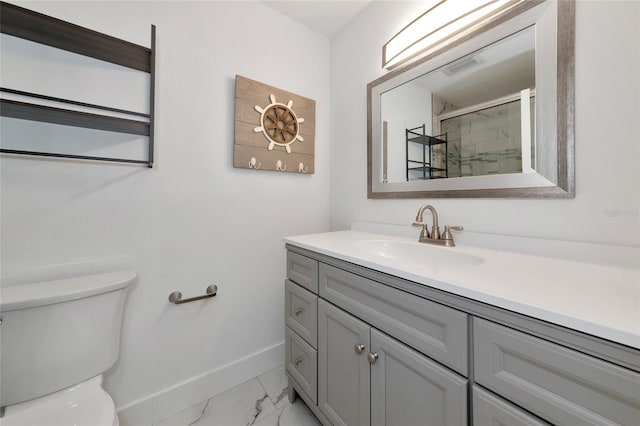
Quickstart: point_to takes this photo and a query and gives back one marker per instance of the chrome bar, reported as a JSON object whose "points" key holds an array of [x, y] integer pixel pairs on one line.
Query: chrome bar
{"points": [[75, 157], [71, 102], [176, 296]]}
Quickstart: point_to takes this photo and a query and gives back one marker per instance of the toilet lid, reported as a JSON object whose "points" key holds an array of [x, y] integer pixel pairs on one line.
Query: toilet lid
{"points": [[85, 404]]}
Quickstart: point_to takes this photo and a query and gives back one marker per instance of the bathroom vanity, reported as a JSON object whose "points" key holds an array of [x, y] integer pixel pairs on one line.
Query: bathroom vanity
{"points": [[383, 330]]}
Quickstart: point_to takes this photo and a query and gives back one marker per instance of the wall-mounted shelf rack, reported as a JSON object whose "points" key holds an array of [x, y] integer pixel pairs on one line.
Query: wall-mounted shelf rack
{"points": [[43, 29], [417, 135]]}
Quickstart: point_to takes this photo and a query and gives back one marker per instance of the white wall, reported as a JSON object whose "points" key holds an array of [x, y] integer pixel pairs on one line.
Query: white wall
{"points": [[192, 220], [606, 207], [405, 107]]}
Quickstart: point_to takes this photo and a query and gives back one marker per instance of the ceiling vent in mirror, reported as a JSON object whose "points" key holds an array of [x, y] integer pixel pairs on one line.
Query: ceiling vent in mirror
{"points": [[462, 65]]}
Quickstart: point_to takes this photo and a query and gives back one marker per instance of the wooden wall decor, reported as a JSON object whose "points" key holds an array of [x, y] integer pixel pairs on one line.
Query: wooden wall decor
{"points": [[274, 129]]}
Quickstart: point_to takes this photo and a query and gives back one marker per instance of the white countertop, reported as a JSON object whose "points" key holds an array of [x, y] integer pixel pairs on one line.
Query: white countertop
{"points": [[596, 299]]}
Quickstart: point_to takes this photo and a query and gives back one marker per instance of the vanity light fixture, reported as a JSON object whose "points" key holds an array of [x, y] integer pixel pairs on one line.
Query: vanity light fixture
{"points": [[446, 21]]}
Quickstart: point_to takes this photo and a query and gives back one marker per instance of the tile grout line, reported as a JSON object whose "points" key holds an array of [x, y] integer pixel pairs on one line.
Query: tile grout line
{"points": [[258, 405], [202, 413], [280, 397]]}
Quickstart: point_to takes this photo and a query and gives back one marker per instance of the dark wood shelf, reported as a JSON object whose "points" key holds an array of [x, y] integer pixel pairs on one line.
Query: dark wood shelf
{"points": [[47, 114], [33, 26], [43, 29], [72, 156]]}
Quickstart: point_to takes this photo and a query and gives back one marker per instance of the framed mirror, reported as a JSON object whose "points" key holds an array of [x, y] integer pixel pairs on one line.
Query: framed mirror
{"points": [[489, 115]]}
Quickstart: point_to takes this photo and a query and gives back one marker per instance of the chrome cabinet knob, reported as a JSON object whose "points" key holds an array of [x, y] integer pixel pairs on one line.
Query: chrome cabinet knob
{"points": [[297, 361], [298, 311], [358, 348], [372, 357]]}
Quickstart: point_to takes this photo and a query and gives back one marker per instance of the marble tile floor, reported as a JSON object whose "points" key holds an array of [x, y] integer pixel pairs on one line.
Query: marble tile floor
{"points": [[261, 401]]}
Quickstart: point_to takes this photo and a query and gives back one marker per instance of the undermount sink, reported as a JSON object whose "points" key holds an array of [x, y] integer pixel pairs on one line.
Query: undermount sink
{"points": [[420, 253]]}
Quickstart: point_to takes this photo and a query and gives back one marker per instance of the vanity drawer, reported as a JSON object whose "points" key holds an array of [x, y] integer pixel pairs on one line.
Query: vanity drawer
{"points": [[558, 384], [433, 329], [489, 409], [301, 362], [301, 312], [303, 270]]}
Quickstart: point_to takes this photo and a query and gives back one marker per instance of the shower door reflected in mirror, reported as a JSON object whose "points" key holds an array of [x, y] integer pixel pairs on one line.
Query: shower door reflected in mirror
{"points": [[472, 117]]}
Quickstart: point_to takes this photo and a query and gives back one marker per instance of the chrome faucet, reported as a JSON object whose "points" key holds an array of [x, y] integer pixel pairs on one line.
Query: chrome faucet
{"points": [[434, 237], [435, 229]]}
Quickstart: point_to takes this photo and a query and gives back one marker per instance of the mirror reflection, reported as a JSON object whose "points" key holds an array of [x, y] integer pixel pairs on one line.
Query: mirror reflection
{"points": [[474, 116]]}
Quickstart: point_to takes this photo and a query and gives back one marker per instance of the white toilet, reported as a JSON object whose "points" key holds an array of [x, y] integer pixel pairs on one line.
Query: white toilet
{"points": [[56, 340]]}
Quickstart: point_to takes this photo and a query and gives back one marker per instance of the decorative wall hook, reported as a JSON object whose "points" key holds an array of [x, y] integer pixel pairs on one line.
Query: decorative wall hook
{"points": [[279, 166], [277, 125], [252, 163], [302, 168]]}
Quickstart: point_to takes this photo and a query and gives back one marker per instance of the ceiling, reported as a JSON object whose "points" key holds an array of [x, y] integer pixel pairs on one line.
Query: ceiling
{"points": [[505, 68], [327, 17]]}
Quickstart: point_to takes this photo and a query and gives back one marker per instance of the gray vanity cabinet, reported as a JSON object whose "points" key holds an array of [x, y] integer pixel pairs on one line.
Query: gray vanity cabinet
{"points": [[367, 348], [343, 369], [341, 323], [409, 389], [366, 377]]}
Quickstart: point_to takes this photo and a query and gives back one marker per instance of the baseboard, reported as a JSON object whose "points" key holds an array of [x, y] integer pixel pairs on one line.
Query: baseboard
{"points": [[161, 405]]}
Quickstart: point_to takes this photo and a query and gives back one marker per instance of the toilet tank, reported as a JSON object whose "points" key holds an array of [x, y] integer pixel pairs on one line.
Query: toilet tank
{"points": [[58, 333]]}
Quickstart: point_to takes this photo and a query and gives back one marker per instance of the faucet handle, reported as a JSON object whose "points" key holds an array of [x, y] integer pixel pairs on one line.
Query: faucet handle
{"points": [[425, 230], [447, 237]]}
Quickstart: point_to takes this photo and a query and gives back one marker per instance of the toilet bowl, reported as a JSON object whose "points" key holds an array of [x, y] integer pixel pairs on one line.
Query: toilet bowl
{"points": [[84, 404], [57, 339]]}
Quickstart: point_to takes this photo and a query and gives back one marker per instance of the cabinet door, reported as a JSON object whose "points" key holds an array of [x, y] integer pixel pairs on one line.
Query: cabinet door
{"points": [[409, 389], [343, 369]]}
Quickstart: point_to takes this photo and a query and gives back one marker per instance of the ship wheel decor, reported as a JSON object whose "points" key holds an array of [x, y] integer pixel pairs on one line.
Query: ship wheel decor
{"points": [[270, 134], [279, 124]]}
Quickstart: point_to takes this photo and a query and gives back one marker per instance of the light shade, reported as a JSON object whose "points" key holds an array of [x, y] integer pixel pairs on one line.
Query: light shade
{"points": [[442, 23]]}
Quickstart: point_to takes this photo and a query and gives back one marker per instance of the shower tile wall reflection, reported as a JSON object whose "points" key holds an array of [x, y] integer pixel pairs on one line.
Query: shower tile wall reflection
{"points": [[485, 142]]}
